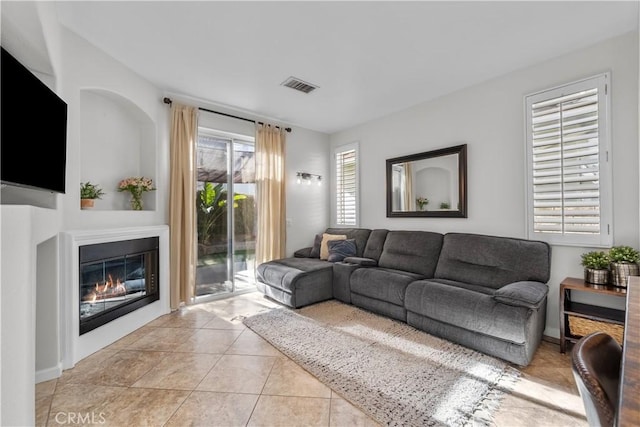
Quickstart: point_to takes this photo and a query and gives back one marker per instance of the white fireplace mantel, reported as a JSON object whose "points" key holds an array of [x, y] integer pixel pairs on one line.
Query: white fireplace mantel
{"points": [[76, 347], [24, 229]]}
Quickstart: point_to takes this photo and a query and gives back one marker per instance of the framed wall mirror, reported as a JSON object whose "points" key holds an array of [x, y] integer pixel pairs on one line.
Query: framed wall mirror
{"points": [[430, 184]]}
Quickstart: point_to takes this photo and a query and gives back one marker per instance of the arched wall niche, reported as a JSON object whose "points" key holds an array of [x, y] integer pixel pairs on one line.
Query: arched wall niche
{"points": [[117, 140]]}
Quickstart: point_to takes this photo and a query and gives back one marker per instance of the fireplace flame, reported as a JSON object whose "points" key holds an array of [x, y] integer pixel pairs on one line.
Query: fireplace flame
{"points": [[120, 288], [108, 290]]}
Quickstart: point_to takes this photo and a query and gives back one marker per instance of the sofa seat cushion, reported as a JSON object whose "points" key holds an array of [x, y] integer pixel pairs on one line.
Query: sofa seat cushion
{"points": [[468, 309], [382, 284], [284, 273], [468, 286]]}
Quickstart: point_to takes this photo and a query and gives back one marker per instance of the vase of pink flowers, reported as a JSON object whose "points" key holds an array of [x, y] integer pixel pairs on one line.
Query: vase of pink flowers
{"points": [[136, 186], [422, 202]]}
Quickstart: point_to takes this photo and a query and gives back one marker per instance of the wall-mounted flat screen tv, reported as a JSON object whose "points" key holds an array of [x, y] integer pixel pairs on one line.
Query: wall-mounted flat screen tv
{"points": [[33, 128]]}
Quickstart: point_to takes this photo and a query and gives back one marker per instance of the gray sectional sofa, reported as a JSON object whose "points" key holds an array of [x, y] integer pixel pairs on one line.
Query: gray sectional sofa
{"points": [[485, 292]]}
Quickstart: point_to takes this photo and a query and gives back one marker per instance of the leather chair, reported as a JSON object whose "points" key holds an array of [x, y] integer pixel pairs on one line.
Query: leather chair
{"points": [[595, 362]]}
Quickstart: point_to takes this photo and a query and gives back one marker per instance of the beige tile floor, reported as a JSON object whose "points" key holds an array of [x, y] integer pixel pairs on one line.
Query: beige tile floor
{"points": [[202, 367]]}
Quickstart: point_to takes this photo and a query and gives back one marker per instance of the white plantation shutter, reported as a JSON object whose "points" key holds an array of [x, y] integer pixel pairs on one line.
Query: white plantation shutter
{"points": [[346, 176], [569, 177]]}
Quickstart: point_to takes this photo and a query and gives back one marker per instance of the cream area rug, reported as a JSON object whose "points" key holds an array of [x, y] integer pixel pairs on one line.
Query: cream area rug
{"points": [[398, 375]]}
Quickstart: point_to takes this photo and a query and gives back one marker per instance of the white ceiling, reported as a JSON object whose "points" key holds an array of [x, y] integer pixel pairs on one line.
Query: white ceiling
{"points": [[369, 58]]}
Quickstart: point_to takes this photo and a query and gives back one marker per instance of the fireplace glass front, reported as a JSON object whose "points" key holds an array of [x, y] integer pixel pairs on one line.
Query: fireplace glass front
{"points": [[115, 279]]}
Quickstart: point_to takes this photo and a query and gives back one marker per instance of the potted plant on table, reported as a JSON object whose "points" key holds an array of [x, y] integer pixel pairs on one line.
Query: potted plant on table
{"points": [[624, 263], [88, 193], [596, 267]]}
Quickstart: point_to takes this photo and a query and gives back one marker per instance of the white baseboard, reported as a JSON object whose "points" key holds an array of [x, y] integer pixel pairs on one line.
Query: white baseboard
{"points": [[48, 374]]}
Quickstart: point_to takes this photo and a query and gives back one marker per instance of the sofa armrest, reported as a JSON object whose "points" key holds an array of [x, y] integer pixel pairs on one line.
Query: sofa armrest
{"points": [[342, 280], [522, 294], [303, 253], [363, 262]]}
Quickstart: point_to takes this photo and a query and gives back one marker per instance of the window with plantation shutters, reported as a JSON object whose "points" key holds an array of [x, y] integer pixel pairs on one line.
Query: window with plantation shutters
{"points": [[568, 168], [346, 180]]}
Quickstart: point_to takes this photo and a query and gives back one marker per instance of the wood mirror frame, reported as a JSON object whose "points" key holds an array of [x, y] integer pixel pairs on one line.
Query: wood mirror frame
{"points": [[442, 169]]}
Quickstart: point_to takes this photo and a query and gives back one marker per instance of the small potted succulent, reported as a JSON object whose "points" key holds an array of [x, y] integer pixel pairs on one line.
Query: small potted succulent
{"points": [[624, 263], [596, 267], [88, 193]]}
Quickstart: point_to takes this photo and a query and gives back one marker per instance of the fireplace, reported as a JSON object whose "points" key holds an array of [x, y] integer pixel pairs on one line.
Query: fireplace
{"points": [[94, 258], [116, 278]]}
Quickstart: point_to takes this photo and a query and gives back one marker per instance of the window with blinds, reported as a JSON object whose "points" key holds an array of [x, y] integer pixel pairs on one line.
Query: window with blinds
{"points": [[346, 176], [569, 178]]}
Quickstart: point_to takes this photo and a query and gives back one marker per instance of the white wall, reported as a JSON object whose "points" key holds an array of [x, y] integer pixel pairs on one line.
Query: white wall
{"points": [[47, 294], [23, 231], [77, 65], [307, 205], [490, 118], [88, 72]]}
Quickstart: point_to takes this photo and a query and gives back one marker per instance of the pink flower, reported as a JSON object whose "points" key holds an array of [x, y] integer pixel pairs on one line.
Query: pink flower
{"points": [[136, 185]]}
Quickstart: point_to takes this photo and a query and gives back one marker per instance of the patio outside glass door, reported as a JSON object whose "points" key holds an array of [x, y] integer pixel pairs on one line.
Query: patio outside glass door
{"points": [[225, 206]]}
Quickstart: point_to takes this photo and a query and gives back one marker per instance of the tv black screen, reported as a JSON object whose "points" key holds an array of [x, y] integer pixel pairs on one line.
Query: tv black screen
{"points": [[33, 125]]}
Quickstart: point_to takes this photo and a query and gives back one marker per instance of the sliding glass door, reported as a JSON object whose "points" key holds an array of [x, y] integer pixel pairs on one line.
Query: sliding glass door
{"points": [[225, 206]]}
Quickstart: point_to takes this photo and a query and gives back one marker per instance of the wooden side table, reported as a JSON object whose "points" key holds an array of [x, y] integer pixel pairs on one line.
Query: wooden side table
{"points": [[586, 311], [629, 410]]}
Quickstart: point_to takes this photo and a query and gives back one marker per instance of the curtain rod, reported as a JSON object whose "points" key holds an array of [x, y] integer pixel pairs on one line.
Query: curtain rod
{"points": [[169, 101]]}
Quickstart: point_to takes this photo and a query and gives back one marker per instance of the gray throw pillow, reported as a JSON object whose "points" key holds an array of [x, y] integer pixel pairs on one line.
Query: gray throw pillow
{"points": [[315, 250], [340, 249]]}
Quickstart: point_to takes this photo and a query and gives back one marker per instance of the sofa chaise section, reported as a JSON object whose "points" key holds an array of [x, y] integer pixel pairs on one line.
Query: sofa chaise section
{"points": [[302, 279], [296, 282]]}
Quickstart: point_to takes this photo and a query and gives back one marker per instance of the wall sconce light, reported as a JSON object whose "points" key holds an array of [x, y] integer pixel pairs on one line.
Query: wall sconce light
{"points": [[304, 177]]}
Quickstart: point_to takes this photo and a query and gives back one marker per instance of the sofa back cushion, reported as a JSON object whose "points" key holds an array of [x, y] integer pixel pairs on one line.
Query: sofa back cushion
{"points": [[493, 261], [413, 251], [360, 235], [375, 244], [315, 249]]}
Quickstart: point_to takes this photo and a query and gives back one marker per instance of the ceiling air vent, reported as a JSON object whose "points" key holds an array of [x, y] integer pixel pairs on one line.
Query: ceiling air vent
{"points": [[297, 84]]}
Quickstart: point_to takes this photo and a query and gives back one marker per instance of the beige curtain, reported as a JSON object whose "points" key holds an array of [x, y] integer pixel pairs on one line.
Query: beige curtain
{"points": [[409, 198], [270, 193], [182, 213]]}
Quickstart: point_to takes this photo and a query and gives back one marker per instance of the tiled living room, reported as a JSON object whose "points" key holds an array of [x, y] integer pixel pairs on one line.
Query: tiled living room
{"points": [[319, 213], [202, 366]]}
